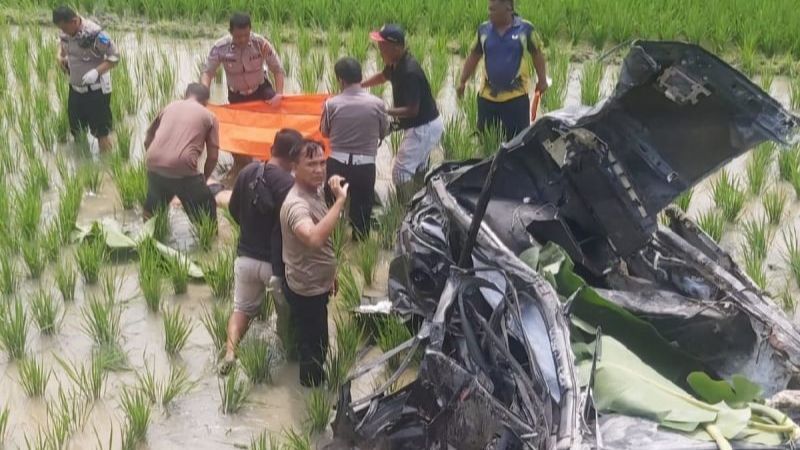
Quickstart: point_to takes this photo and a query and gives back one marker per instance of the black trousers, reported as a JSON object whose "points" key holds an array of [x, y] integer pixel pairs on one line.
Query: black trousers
{"points": [[193, 192], [309, 318], [264, 92], [513, 115], [90, 110], [361, 193]]}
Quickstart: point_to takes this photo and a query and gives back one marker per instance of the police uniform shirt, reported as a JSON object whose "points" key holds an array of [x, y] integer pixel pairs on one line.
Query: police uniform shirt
{"points": [[86, 50], [244, 67]]}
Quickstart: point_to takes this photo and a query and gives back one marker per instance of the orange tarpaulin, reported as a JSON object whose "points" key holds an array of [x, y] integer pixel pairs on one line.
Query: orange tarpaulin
{"points": [[250, 128]]}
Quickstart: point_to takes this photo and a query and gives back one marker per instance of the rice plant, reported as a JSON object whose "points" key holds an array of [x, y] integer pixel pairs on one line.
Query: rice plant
{"points": [[89, 378], [438, 65], [390, 221], [788, 161], [51, 241], [101, 320], [68, 207], [161, 228], [684, 200], [66, 279], [367, 258], [395, 139], [45, 311], [758, 170], [792, 255], [766, 80], [754, 267], [123, 134], [591, 78], [215, 321], [28, 204], [311, 73], [391, 333], [218, 274], [758, 236], [33, 377], [91, 255], [147, 384], [795, 182], [111, 357], [131, 183], [490, 138], [292, 440], [14, 329], [712, 222], [794, 91], [774, 202], [177, 328], [469, 106], [204, 228], [787, 301], [558, 69], [178, 269], [264, 441], [256, 357], [233, 392], [137, 411], [457, 141], [318, 409], [9, 279], [349, 338], [4, 414], [728, 196], [34, 258], [150, 275], [177, 384], [38, 175], [339, 239], [91, 178], [349, 289]]}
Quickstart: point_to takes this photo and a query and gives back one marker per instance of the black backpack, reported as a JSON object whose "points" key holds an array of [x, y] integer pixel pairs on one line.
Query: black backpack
{"points": [[262, 198]]}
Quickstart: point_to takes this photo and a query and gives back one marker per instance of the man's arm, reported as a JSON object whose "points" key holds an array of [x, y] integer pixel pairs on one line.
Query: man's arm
{"points": [[413, 97], [375, 80], [325, 121], [470, 64], [316, 235], [151, 131], [63, 62], [210, 70], [233, 203], [536, 49], [212, 148], [275, 66]]}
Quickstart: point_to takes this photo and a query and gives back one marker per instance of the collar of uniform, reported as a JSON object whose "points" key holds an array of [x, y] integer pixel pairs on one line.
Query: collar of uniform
{"points": [[516, 22], [249, 41], [353, 89]]}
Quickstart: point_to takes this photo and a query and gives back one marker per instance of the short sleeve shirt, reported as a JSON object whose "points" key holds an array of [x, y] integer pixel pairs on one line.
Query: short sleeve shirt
{"points": [[505, 75], [87, 49], [309, 272], [244, 66], [410, 86]]}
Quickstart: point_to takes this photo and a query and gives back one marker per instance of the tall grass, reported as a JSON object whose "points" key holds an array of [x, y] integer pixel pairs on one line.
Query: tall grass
{"points": [[14, 329], [774, 202], [101, 320], [366, 257], [233, 392], [33, 377], [150, 275], [34, 258], [712, 222], [215, 321], [457, 141], [178, 269], [591, 78], [318, 409], [66, 280], [9, 279], [137, 411], [391, 333], [91, 255], [758, 169], [728, 196], [256, 357], [788, 161], [131, 183], [558, 69], [177, 328], [218, 274], [45, 311]]}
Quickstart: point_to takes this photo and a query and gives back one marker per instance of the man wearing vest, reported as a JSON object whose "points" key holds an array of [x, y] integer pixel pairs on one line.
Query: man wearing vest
{"points": [[501, 42], [243, 55]]}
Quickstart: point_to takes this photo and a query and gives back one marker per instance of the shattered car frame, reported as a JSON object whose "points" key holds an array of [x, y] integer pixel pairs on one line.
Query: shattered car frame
{"points": [[497, 368]]}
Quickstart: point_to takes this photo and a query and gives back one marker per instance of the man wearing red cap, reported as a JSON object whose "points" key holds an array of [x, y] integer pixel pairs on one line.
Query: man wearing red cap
{"points": [[414, 110]]}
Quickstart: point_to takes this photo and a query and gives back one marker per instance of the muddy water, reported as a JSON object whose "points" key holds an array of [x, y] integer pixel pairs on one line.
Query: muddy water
{"points": [[194, 420]]}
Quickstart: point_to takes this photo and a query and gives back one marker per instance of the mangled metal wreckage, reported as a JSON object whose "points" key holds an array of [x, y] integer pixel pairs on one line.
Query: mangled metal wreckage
{"points": [[496, 317]]}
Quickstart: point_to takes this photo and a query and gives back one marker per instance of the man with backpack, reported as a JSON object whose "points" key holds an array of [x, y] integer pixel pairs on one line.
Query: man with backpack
{"points": [[255, 204]]}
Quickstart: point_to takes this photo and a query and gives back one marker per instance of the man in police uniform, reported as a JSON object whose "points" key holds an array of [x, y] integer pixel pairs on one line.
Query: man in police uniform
{"points": [[87, 54], [502, 42], [243, 54]]}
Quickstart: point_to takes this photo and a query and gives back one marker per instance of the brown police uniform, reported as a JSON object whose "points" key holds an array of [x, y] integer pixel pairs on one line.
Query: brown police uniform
{"points": [[244, 67]]}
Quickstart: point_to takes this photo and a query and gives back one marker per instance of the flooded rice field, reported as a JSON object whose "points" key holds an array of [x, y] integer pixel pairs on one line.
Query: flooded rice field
{"points": [[90, 401]]}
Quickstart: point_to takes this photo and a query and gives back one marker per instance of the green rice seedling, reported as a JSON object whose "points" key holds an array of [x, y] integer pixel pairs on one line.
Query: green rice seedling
{"points": [[131, 183], [46, 312], [236, 230], [61, 127], [438, 66], [758, 171], [395, 139], [767, 77], [150, 274], [45, 55], [218, 274], [558, 69], [712, 222], [457, 141], [758, 237], [68, 207], [91, 177], [795, 182], [491, 137], [233, 392], [34, 258], [367, 258], [147, 384], [89, 378], [794, 91], [123, 134], [26, 132], [357, 45], [267, 307], [204, 228], [215, 321], [292, 440], [311, 74], [111, 357], [391, 333], [774, 202], [787, 302], [264, 441], [335, 371], [684, 200], [318, 409], [304, 43], [101, 320], [349, 289], [66, 279], [37, 175], [349, 338], [728, 196], [390, 221], [28, 203], [469, 106], [91, 255], [161, 229], [4, 414], [788, 162], [9, 280], [33, 377], [255, 355], [339, 239], [177, 384], [51, 241], [177, 328], [754, 267], [591, 78], [69, 411], [792, 255], [178, 268], [137, 411], [14, 329]]}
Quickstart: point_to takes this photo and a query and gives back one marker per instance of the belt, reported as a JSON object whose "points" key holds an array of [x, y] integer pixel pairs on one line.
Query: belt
{"points": [[85, 89], [245, 92], [353, 160]]}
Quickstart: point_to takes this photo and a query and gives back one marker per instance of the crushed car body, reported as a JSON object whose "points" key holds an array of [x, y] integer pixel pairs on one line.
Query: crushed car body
{"points": [[495, 325]]}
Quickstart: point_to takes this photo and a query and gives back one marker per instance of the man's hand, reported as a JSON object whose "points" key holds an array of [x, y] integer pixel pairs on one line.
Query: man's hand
{"points": [[276, 100], [63, 64], [460, 90], [542, 85], [91, 77], [338, 188]]}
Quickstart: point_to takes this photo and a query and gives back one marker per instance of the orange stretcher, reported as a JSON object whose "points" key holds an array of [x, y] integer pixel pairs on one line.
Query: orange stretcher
{"points": [[250, 128]]}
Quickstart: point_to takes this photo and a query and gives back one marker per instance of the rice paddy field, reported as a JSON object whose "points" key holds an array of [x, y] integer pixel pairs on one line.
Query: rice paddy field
{"points": [[117, 349]]}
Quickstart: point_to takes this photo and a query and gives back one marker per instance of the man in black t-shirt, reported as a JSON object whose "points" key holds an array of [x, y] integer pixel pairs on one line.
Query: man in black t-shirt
{"points": [[255, 205], [414, 106]]}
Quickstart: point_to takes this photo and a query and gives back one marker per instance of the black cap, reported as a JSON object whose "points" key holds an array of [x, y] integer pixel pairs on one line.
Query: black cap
{"points": [[389, 33]]}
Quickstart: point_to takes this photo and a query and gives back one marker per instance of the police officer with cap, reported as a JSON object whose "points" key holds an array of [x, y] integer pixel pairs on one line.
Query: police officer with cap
{"points": [[87, 54], [243, 54]]}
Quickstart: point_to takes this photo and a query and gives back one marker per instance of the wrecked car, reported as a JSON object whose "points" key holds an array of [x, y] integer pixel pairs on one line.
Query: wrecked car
{"points": [[527, 273]]}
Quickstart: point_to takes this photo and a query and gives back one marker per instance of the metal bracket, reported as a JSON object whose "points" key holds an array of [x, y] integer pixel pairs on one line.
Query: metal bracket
{"points": [[680, 87]]}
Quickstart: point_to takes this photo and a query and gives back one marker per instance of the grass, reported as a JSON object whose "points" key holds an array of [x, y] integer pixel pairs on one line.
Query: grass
{"points": [[264, 441], [754, 266], [339, 238], [256, 357], [14, 329], [558, 69], [774, 202], [177, 384], [89, 379], [137, 411], [33, 377], [91, 177], [728, 196], [28, 204], [91, 255], [794, 90], [292, 440], [45, 312], [767, 77], [161, 228], [795, 181], [37, 175], [34, 258], [391, 333], [146, 383], [349, 289], [218, 274], [469, 106], [758, 236], [215, 321], [4, 415], [788, 161], [68, 207], [684, 200], [177, 329], [318, 409], [349, 337], [52, 241], [787, 302], [66, 279], [9, 278], [390, 221], [712, 222], [758, 169], [491, 138], [457, 141], [233, 392], [792, 255], [101, 320], [204, 229], [591, 78], [311, 73], [122, 132], [178, 270], [131, 183], [366, 257]]}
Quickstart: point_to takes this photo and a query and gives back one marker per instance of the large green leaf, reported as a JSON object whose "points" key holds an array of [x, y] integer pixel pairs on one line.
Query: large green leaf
{"points": [[736, 394]]}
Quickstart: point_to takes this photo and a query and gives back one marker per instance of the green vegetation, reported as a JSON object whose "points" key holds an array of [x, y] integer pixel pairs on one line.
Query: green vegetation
{"points": [[13, 329], [101, 320], [788, 161], [391, 333], [9, 280], [91, 255], [256, 356], [684, 200], [136, 407], [178, 383], [758, 168], [131, 183], [215, 321], [366, 257], [218, 273], [758, 236], [204, 228], [233, 392], [296, 441], [729, 196], [33, 377], [89, 378], [591, 78], [150, 274], [318, 409], [177, 328], [774, 202], [45, 311], [558, 69], [792, 255], [713, 223], [34, 258], [178, 269]]}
